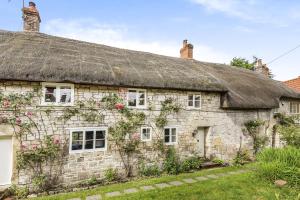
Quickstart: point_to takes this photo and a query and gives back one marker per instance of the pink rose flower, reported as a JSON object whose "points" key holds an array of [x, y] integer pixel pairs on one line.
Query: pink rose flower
{"points": [[18, 121], [34, 147], [56, 140], [136, 136], [6, 103], [29, 114], [23, 147], [119, 106]]}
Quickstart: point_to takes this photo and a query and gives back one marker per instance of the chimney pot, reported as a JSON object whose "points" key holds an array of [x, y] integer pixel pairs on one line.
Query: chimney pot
{"points": [[31, 18], [186, 51], [261, 68]]}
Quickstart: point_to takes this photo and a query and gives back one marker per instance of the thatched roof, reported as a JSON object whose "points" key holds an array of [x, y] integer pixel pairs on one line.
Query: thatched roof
{"points": [[41, 57]]}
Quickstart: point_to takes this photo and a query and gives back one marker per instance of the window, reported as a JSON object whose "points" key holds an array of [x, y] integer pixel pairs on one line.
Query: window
{"points": [[136, 98], [194, 101], [88, 140], [170, 136], [58, 94], [294, 108], [146, 134]]}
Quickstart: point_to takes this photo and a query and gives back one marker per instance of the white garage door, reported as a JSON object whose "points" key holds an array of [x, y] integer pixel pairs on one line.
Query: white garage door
{"points": [[6, 156]]}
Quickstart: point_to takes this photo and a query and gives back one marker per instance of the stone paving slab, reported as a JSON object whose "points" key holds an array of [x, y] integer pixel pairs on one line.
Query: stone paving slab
{"points": [[176, 183], [233, 173], [130, 190], [201, 178], [113, 194], [162, 185], [189, 180], [147, 187], [212, 176], [243, 171], [222, 174], [95, 197]]}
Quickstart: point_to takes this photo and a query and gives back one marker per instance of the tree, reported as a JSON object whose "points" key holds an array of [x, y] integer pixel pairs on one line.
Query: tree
{"points": [[242, 63]]}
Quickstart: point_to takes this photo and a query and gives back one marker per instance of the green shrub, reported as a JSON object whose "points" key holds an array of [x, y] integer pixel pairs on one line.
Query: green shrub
{"points": [[151, 170], [19, 192], [191, 163], [171, 164], [242, 157], [92, 181], [283, 164], [111, 175], [290, 134], [218, 161]]}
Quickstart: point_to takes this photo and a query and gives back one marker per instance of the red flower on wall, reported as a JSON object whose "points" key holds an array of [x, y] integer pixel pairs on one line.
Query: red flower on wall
{"points": [[119, 106]]}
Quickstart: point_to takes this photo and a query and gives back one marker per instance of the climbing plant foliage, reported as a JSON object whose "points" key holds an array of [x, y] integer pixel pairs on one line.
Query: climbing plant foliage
{"points": [[43, 147]]}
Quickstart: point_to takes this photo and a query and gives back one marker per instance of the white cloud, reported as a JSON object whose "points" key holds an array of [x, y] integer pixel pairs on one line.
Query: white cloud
{"points": [[257, 11], [230, 7], [119, 36]]}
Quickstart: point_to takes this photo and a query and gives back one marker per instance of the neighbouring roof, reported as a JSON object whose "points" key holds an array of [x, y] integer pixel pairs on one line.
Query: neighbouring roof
{"points": [[294, 84], [39, 57]]}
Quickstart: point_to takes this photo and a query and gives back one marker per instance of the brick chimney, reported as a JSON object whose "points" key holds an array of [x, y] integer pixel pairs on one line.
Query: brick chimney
{"points": [[261, 68], [186, 51], [31, 18]]}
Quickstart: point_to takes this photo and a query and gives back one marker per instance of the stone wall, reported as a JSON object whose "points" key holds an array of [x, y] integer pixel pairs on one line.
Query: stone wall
{"points": [[224, 129]]}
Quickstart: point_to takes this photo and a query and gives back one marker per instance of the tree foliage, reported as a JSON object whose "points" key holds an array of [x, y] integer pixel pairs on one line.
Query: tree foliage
{"points": [[242, 63]]}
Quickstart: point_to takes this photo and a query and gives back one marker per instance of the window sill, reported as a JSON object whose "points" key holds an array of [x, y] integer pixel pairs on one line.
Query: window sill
{"points": [[171, 144], [56, 105], [87, 151]]}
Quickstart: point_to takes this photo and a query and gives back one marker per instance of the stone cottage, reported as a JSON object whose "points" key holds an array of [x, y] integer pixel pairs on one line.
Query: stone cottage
{"points": [[216, 100]]}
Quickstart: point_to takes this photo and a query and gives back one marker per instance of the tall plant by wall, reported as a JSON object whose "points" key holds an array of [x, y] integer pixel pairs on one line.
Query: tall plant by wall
{"points": [[124, 133], [288, 129], [42, 155], [259, 141]]}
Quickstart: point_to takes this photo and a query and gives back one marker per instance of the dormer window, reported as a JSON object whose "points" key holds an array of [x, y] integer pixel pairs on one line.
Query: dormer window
{"points": [[59, 94], [136, 98], [194, 101]]}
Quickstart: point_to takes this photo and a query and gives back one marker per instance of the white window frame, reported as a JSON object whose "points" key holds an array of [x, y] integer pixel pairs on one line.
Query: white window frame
{"points": [[146, 127], [194, 100], [137, 98], [58, 86], [170, 128], [297, 108], [84, 130]]}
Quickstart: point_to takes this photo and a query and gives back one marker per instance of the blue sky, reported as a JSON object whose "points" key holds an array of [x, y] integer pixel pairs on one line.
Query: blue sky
{"points": [[219, 29]]}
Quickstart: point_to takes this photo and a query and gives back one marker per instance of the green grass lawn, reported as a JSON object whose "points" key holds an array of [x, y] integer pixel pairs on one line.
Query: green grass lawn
{"points": [[241, 186]]}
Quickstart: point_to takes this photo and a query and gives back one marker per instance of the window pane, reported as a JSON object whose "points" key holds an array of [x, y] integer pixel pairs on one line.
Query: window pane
{"points": [[100, 144], [173, 138], [132, 98], [197, 104], [89, 144], [89, 135], [50, 94], [146, 134], [141, 98], [191, 104], [89, 140], [77, 136], [173, 135], [191, 97], [100, 134], [65, 94], [77, 145], [167, 135]]}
